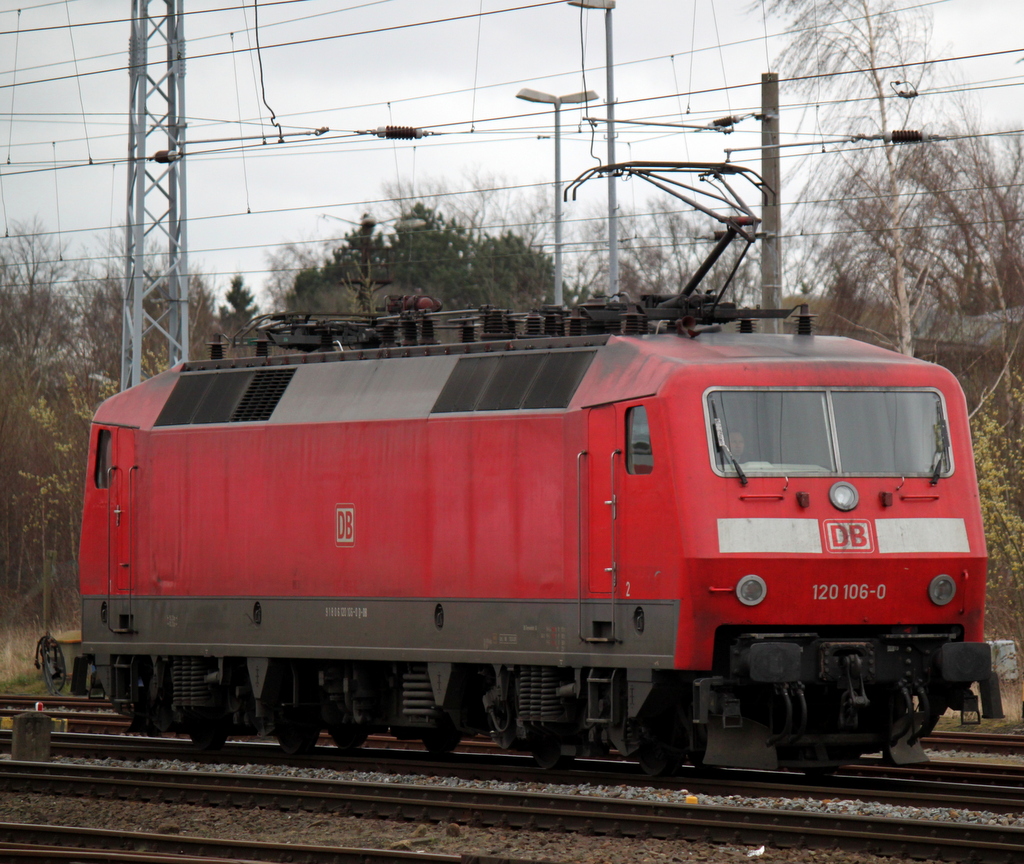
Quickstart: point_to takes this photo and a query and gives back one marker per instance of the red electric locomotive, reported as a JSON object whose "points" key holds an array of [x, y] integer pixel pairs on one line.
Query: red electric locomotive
{"points": [[738, 548]]}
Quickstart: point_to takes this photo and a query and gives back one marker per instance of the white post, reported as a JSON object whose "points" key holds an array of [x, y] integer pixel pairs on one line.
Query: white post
{"points": [[558, 203], [557, 101], [613, 216]]}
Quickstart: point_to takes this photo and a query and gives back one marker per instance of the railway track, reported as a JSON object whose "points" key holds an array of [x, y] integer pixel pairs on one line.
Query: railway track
{"points": [[91, 717], [85, 715], [997, 791], [977, 742], [527, 810], [979, 786], [30, 844]]}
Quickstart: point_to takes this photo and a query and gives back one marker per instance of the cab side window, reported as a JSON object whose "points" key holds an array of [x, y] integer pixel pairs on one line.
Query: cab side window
{"points": [[639, 455], [103, 459]]}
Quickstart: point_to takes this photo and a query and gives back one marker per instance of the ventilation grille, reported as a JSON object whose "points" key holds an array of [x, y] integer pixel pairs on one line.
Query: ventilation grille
{"points": [[263, 394], [509, 382], [225, 397]]}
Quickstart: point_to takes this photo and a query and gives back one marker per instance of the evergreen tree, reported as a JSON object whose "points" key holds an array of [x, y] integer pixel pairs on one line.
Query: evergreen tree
{"points": [[428, 254], [241, 306]]}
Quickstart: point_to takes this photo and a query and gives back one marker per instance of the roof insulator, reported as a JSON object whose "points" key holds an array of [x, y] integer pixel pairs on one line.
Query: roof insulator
{"points": [[804, 321]]}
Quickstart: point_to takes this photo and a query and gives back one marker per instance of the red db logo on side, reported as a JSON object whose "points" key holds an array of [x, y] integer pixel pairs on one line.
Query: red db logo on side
{"points": [[345, 525], [841, 536]]}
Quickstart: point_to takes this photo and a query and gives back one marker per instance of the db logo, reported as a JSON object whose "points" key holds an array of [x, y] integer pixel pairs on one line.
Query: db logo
{"points": [[345, 525], [848, 536]]}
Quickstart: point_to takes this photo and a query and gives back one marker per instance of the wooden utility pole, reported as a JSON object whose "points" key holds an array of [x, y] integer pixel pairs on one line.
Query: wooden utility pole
{"points": [[49, 565], [771, 203]]}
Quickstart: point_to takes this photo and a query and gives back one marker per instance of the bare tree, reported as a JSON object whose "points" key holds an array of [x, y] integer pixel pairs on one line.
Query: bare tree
{"points": [[662, 248], [285, 265], [854, 54], [46, 396], [975, 204], [486, 203]]}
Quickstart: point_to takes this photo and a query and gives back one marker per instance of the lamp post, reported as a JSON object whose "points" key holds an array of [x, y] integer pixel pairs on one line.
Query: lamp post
{"points": [[557, 101], [613, 207]]}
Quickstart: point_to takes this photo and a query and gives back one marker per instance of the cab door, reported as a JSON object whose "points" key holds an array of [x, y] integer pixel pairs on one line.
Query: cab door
{"points": [[122, 480], [625, 498]]}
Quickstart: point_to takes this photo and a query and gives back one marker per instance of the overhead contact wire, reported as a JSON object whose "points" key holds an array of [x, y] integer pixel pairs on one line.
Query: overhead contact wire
{"points": [[241, 146], [56, 195], [78, 81], [476, 66]]}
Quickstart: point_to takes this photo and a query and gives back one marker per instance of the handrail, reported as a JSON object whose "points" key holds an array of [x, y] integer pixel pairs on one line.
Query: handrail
{"points": [[614, 569], [579, 544], [110, 487], [131, 546]]}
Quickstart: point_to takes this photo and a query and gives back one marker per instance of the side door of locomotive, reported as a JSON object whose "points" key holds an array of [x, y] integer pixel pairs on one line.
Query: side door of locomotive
{"points": [[619, 448], [117, 447]]}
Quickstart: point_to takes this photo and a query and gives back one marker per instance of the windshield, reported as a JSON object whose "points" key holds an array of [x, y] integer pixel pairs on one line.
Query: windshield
{"points": [[808, 432]]}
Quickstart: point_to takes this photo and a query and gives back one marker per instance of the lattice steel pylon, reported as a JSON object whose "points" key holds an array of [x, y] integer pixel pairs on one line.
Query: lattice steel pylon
{"points": [[156, 281]]}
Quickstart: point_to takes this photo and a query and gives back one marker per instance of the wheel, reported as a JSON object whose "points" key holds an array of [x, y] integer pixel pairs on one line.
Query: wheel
{"points": [[347, 736], [656, 761], [297, 740], [548, 755], [443, 738], [209, 736]]}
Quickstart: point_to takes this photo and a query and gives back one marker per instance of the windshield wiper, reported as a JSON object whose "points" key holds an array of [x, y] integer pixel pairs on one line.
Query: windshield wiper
{"points": [[941, 444], [724, 448]]}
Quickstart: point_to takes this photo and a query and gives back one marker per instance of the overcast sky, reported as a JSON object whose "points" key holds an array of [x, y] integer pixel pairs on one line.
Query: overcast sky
{"points": [[324, 66]]}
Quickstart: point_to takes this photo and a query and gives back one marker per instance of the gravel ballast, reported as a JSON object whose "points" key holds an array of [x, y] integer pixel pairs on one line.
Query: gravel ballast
{"points": [[276, 826]]}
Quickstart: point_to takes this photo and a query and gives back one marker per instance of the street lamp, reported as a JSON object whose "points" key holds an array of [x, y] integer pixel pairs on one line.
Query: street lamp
{"points": [[548, 99], [613, 223]]}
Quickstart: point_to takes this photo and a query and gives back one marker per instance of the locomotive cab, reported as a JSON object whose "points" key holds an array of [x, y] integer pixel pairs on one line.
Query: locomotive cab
{"points": [[857, 571]]}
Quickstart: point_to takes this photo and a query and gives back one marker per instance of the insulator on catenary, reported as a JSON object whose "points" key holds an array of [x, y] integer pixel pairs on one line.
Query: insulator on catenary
{"points": [[906, 136], [406, 132]]}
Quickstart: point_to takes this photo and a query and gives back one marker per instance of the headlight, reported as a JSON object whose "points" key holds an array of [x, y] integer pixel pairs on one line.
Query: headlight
{"points": [[751, 590], [843, 495], [942, 589]]}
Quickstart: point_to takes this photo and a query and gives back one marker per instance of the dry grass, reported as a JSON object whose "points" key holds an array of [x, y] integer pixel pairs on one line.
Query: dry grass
{"points": [[18, 673]]}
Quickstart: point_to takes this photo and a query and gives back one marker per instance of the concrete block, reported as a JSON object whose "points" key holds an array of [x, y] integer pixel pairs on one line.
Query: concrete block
{"points": [[30, 738]]}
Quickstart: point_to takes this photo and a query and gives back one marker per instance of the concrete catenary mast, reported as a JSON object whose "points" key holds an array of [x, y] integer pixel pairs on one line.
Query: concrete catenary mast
{"points": [[155, 308]]}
